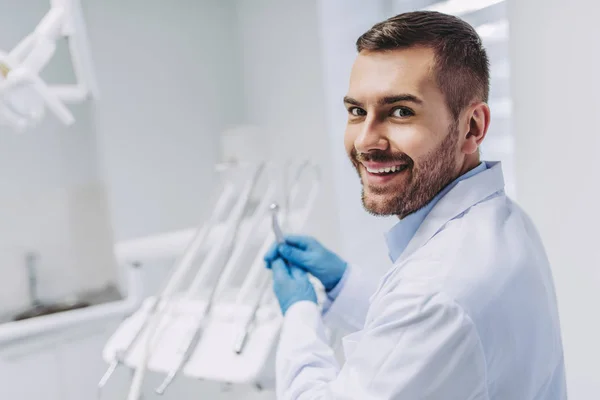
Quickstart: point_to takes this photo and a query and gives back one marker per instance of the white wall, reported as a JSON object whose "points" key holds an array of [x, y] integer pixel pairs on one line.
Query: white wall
{"points": [[170, 81], [555, 63], [52, 197], [139, 159], [284, 93]]}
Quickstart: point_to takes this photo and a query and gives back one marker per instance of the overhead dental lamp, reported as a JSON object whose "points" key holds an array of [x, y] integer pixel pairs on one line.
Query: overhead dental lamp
{"points": [[24, 96]]}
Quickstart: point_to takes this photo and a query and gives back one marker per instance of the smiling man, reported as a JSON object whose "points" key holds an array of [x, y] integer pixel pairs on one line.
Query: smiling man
{"points": [[468, 310]]}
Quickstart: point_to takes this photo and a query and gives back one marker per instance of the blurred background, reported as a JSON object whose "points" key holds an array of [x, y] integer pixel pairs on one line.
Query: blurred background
{"points": [[177, 80]]}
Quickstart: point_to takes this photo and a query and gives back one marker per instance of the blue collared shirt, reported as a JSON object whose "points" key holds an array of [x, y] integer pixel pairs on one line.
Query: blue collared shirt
{"points": [[401, 234]]}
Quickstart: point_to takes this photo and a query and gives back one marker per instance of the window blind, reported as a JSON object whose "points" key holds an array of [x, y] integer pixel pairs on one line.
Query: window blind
{"points": [[489, 18]]}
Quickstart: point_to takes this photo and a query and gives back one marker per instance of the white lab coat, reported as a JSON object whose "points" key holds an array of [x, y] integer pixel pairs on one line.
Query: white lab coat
{"points": [[467, 312]]}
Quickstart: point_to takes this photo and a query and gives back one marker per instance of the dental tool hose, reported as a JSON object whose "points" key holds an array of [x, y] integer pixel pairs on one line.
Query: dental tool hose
{"points": [[238, 216], [154, 317], [179, 271]]}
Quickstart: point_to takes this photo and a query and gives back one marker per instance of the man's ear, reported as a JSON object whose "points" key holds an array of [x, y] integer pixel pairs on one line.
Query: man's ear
{"points": [[478, 122]]}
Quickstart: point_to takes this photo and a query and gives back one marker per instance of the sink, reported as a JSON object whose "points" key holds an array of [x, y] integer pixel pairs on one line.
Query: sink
{"points": [[47, 309], [82, 300]]}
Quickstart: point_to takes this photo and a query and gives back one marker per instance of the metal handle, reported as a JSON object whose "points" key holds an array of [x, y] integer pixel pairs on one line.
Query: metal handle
{"points": [[275, 223]]}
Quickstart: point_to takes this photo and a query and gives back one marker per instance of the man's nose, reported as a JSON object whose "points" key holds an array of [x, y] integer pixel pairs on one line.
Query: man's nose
{"points": [[371, 137]]}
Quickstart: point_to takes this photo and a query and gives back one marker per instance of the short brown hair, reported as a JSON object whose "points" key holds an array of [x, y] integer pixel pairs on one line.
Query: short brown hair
{"points": [[461, 65]]}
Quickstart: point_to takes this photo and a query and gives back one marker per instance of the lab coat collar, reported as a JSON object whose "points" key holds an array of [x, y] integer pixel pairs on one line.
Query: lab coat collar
{"points": [[400, 235], [460, 198]]}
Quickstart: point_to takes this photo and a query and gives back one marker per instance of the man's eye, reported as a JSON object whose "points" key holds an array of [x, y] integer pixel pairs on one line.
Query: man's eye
{"points": [[402, 112], [357, 112]]}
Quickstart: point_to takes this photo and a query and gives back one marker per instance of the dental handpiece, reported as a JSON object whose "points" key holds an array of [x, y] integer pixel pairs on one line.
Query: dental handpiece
{"points": [[275, 223], [241, 341]]}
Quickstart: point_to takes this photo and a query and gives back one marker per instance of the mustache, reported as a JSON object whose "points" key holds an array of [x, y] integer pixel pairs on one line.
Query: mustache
{"points": [[381, 156]]}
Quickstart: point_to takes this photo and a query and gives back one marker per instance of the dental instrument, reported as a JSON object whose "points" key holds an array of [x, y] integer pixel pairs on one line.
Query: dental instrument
{"points": [[275, 223]]}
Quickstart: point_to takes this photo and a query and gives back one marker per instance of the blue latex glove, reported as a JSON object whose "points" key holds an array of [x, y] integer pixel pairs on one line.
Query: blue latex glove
{"points": [[291, 284], [307, 253]]}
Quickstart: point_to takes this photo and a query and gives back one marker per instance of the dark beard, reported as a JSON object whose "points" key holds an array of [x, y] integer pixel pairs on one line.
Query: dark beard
{"points": [[426, 180]]}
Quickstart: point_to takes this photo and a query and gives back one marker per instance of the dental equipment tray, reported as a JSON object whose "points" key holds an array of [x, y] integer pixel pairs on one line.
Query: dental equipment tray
{"points": [[214, 357]]}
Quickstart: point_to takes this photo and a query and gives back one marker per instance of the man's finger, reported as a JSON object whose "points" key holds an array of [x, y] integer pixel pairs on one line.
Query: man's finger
{"points": [[268, 264], [293, 255], [298, 273], [271, 254], [300, 241], [280, 270]]}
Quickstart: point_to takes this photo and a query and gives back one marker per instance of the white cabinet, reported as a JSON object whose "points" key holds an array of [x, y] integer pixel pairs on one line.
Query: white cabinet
{"points": [[80, 365], [68, 367], [30, 374], [65, 366]]}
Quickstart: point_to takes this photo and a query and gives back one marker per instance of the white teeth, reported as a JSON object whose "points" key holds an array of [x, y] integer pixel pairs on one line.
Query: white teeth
{"points": [[384, 170]]}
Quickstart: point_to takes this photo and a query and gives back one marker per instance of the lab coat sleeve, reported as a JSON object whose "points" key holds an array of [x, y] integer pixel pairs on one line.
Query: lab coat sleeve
{"points": [[413, 347], [349, 309]]}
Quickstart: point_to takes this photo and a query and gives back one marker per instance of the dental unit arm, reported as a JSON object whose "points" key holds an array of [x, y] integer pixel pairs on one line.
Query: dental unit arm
{"points": [[153, 308], [24, 96]]}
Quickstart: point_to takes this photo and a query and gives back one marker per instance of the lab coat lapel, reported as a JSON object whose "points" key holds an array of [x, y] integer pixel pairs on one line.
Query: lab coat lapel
{"points": [[463, 196]]}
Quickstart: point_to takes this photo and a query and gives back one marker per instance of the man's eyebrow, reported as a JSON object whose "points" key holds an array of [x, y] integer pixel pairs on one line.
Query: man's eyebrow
{"points": [[354, 102], [386, 100], [400, 97]]}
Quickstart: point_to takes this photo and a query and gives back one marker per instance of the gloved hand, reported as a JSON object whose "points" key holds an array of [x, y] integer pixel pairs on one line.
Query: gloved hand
{"points": [[290, 284], [310, 255]]}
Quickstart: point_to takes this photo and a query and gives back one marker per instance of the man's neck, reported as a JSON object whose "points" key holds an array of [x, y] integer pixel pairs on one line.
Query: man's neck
{"points": [[471, 161], [469, 164]]}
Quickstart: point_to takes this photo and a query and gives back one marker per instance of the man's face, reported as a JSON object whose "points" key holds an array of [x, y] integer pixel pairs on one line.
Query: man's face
{"points": [[400, 135]]}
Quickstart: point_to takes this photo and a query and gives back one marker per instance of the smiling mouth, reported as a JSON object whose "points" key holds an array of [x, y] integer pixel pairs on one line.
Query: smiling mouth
{"points": [[393, 169]]}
